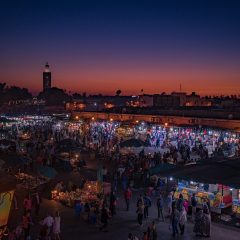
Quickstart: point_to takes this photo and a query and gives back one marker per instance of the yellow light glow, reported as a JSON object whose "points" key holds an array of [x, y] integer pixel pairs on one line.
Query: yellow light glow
{"points": [[5, 206]]}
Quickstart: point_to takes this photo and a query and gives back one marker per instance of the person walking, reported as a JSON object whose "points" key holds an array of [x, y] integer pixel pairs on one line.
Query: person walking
{"points": [[78, 209], [132, 237], [56, 226], [140, 210], [206, 222], [127, 197], [198, 226], [160, 208], [113, 203], [140, 200], [169, 203], [27, 204], [26, 222], [19, 232], [37, 203], [153, 231], [104, 219], [194, 206], [179, 203], [48, 222], [174, 221], [182, 219], [145, 236], [147, 205]]}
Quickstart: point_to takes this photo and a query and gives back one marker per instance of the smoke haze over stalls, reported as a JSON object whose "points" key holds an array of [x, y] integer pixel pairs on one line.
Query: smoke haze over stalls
{"points": [[100, 46]]}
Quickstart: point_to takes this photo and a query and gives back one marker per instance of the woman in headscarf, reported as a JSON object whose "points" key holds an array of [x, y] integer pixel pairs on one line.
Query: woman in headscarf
{"points": [[198, 226]]}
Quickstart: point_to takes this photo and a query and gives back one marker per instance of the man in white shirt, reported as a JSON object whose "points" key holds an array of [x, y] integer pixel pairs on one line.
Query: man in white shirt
{"points": [[48, 222]]}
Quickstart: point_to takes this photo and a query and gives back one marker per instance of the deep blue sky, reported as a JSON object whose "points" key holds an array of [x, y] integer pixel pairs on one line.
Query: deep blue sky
{"points": [[99, 46]]}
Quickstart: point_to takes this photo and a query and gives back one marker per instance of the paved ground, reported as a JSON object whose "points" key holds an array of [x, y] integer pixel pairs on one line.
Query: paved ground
{"points": [[119, 227]]}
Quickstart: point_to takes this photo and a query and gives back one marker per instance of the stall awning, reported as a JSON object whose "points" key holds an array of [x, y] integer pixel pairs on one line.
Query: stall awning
{"points": [[225, 172], [161, 168], [133, 143]]}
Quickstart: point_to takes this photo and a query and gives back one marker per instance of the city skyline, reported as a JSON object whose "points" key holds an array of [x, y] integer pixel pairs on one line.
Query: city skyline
{"points": [[101, 47]]}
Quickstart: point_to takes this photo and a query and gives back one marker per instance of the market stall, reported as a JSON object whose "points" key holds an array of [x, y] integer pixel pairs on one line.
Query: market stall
{"points": [[88, 194], [236, 202], [211, 193], [30, 182], [125, 131], [68, 154], [204, 180]]}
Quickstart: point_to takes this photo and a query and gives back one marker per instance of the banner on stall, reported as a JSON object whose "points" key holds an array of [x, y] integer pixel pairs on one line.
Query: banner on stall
{"points": [[5, 206]]}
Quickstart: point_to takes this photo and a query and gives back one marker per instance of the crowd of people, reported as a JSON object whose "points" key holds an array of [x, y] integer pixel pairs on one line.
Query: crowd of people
{"points": [[102, 138], [49, 226], [176, 212]]}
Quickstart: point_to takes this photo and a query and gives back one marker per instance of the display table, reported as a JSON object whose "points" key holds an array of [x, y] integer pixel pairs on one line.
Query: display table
{"points": [[88, 194]]}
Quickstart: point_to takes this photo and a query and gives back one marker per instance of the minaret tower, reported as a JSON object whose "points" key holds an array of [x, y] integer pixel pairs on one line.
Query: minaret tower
{"points": [[47, 81]]}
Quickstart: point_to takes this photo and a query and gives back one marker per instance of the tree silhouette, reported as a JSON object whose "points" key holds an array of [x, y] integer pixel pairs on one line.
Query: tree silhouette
{"points": [[13, 93], [118, 92], [54, 96]]}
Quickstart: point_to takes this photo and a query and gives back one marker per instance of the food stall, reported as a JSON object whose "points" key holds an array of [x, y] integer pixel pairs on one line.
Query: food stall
{"points": [[236, 202], [125, 131], [89, 194], [218, 196], [30, 182]]}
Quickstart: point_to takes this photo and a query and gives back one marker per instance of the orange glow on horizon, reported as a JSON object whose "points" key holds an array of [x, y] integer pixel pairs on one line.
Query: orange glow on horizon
{"points": [[131, 81]]}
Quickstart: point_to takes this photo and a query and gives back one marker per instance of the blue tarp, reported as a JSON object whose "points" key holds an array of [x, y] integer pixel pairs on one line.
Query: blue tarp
{"points": [[47, 172]]}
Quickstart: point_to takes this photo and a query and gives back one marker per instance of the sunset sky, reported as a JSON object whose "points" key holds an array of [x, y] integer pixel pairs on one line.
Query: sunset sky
{"points": [[101, 46]]}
